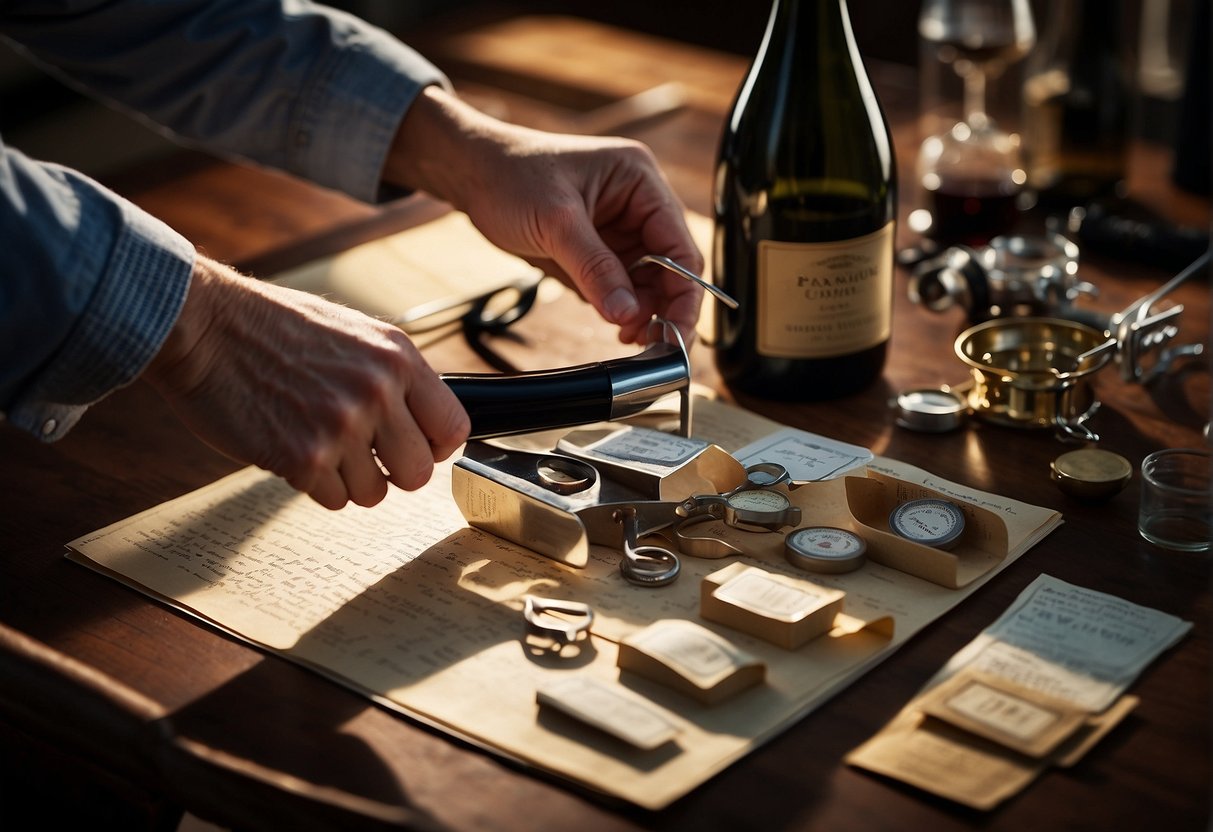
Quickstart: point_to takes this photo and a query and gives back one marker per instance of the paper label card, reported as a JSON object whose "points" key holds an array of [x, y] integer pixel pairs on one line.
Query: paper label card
{"points": [[643, 445], [768, 597], [690, 659], [807, 456], [1018, 718], [1038, 688], [788, 612], [610, 708]]}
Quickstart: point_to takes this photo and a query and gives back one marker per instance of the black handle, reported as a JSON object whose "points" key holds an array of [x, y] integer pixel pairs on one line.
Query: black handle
{"points": [[503, 404]]}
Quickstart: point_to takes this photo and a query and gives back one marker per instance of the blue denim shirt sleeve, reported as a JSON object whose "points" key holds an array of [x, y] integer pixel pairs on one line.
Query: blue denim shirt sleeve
{"points": [[90, 285], [285, 83]]}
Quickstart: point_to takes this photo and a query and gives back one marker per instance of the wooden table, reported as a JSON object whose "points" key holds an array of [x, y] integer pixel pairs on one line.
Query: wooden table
{"points": [[135, 710]]}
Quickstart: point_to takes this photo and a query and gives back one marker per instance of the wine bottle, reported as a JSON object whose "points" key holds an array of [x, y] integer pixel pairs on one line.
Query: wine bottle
{"points": [[805, 210]]}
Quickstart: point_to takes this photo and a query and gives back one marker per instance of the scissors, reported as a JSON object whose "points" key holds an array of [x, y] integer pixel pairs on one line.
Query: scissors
{"points": [[491, 313], [753, 506]]}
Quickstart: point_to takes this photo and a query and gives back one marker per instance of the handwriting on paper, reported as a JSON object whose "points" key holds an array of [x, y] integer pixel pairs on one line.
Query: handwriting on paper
{"points": [[1072, 643]]}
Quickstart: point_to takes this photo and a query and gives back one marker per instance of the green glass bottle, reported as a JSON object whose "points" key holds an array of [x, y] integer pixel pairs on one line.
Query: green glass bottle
{"points": [[805, 210]]}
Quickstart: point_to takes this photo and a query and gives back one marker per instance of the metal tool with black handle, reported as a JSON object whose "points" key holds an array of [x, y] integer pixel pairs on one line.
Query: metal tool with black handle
{"points": [[501, 404]]}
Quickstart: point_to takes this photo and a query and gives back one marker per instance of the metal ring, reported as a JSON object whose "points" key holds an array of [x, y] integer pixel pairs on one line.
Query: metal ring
{"points": [[644, 565], [563, 475], [631, 566]]}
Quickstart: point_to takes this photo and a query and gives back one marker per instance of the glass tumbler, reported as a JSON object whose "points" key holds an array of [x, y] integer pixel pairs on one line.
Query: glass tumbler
{"points": [[1175, 508]]}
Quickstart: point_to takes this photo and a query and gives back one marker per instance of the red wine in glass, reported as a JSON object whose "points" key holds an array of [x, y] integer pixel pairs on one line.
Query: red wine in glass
{"points": [[970, 211]]}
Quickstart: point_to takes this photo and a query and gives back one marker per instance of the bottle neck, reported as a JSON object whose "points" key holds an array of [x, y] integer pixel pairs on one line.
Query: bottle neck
{"points": [[810, 18]]}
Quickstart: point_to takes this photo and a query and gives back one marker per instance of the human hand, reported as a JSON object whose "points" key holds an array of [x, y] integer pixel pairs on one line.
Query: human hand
{"points": [[583, 209], [317, 393]]}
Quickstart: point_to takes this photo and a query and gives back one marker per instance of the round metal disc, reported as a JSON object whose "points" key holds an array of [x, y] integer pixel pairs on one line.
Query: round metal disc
{"points": [[930, 410], [825, 549], [1091, 473]]}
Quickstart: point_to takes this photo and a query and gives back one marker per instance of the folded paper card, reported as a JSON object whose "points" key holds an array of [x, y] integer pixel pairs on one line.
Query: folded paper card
{"points": [[690, 659], [789, 612]]}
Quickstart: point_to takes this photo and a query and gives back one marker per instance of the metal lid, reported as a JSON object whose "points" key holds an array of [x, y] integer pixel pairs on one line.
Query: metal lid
{"points": [[931, 522], [930, 409], [1091, 473], [825, 549]]}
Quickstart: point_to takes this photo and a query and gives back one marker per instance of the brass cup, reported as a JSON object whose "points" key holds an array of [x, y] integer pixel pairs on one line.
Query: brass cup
{"points": [[1033, 372]]}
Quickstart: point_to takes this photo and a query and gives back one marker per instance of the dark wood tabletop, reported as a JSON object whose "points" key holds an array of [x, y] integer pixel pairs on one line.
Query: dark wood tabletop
{"points": [[123, 702]]}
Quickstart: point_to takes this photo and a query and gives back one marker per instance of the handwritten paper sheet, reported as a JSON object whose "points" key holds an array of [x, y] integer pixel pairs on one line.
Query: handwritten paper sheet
{"points": [[405, 603]]}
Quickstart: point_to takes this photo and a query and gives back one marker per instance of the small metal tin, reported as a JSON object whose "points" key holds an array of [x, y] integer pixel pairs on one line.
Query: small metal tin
{"points": [[931, 522], [930, 409], [1091, 473], [825, 549]]}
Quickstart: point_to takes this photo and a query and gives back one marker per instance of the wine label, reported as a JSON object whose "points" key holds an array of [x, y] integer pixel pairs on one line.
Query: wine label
{"points": [[817, 300]]}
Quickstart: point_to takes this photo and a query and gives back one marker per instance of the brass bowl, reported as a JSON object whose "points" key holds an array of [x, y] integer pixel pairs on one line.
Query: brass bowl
{"points": [[1033, 372]]}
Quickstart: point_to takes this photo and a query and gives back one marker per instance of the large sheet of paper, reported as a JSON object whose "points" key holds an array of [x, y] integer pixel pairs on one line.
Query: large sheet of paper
{"points": [[408, 605]]}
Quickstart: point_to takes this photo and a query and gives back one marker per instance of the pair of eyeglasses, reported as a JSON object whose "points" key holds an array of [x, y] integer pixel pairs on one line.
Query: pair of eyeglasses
{"points": [[489, 314]]}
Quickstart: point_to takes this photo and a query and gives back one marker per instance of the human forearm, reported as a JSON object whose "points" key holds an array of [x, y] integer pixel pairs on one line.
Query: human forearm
{"points": [[582, 208], [322, 395]]}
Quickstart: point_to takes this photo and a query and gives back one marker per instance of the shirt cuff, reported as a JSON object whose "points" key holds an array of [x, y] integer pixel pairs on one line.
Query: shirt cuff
{"points": [[350, 113], [135, 305]]}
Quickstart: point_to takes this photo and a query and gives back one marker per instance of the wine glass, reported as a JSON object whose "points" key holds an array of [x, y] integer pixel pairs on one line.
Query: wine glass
{"points": [[972, 173]]}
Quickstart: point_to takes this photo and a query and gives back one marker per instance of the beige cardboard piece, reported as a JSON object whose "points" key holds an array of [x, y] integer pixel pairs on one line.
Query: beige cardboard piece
{"points": [[1015, 717], [785, 611], [690, 659], [1037, 688], [948, 761], [980, 548]]}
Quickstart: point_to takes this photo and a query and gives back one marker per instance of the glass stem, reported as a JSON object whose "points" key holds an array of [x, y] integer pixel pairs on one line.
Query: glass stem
{"points": [[975, 99]]}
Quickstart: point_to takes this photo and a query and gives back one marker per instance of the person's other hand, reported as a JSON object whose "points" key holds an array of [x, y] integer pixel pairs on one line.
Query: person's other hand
{"points": [[335, 402], [583, 209]]}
